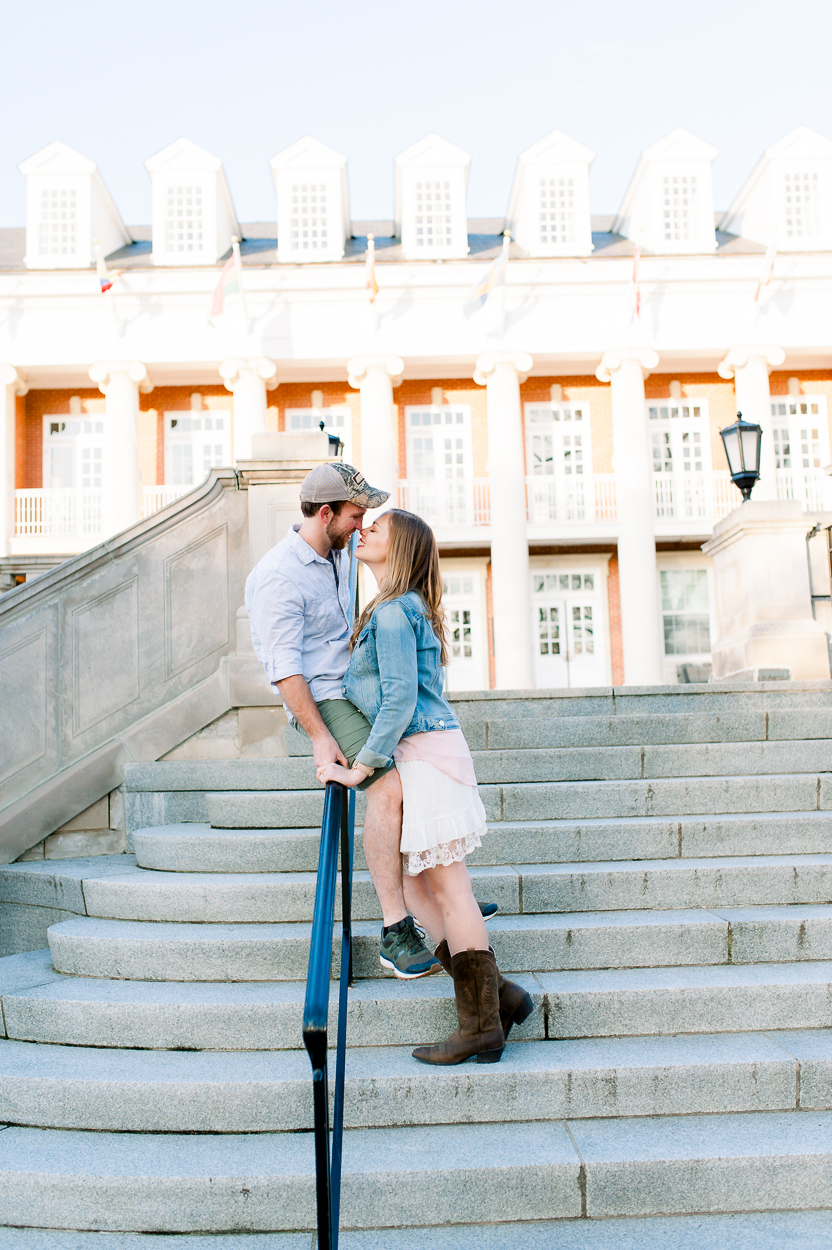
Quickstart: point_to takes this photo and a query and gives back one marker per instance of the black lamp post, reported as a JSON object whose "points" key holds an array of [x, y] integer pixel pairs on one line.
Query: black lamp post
{"points": [[742, 442], [336, 446]]}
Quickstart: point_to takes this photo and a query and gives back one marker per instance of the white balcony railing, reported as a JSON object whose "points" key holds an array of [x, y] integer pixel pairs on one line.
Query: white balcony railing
{"points": [[58, 512], [811, 487], [456, 504], [156, 497], [571, 501]]}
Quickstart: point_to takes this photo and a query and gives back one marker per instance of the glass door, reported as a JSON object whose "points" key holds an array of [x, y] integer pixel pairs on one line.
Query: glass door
{"points": [[462, 600], [681, 454], [559, 461], [196, 442], [440, 486], [568, 623]]}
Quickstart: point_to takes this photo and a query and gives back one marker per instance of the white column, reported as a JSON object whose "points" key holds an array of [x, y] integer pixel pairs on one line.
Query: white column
{"points": [[375, 377], [634, 492], [501, 373], [248, 381], [750, 367], [121, 382], [11, 384]]}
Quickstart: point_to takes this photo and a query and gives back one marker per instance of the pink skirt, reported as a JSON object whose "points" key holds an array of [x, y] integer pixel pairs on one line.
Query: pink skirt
{"points": [[443, 816]]}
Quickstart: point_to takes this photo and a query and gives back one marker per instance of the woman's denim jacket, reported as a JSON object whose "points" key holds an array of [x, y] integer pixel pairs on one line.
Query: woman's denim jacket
{"points": [[395, 678]]}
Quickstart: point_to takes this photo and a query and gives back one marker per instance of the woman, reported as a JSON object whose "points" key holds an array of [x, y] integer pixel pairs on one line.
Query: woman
{"points": [[395, 678]]}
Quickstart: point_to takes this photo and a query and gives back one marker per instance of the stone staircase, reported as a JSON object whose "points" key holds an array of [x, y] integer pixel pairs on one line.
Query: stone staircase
{"points": [[663, 864]]}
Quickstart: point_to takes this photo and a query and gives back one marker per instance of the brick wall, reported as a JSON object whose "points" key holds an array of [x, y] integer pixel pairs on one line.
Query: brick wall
{"points": [[616, 641]]}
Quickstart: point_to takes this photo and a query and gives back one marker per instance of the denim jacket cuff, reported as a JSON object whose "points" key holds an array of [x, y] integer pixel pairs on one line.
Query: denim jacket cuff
{"points": [[371, 758]]}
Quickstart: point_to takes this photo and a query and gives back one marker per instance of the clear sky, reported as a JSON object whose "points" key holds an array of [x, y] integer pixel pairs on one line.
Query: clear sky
{"points": [[119, 81]]}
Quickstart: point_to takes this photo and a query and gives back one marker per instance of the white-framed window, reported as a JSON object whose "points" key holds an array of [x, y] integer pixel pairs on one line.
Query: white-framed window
{"points": [[680, 210], [685, 596], [680, 451], [557, 210], [801, 449], [73, 453], [309, 219], [434, 219], [336, 420], [801, 204], [440, 463], [570, 636], [58, 222], [184, 221], [559, 461], [196, 442], [464, 602]]}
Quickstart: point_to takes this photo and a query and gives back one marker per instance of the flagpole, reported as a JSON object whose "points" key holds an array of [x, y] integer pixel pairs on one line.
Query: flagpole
{"points": [[506, 243], [238, 269]]}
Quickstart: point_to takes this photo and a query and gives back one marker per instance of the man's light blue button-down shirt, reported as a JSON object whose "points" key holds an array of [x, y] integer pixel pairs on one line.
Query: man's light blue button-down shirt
{"points": [[299, 623]]}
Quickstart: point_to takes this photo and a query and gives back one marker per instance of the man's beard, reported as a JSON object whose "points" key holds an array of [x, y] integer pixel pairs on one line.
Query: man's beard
{"points": [[337, 540]]}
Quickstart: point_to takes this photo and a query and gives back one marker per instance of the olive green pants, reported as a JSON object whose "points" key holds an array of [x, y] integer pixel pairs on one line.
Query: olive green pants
{"points": [[350, 729]]}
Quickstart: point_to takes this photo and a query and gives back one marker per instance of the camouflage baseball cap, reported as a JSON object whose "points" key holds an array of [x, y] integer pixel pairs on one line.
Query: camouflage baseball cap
{"points": [[328, 482]]}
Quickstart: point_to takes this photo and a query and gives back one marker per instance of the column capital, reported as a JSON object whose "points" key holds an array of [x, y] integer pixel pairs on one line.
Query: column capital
{"points": [[358, 367], [612, 361], [739, 357], [488, 362], [103, 370], [10, 377], [231, 370]]}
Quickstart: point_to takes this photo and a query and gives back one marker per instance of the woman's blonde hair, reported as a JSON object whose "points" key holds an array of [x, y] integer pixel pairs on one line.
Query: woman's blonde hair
{"points": [[412, 564]]}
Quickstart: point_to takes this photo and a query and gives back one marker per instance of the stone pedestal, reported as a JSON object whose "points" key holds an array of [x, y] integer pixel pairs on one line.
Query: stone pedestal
{"points": [[763, 596], [248, 381], [750, 367], [501, 373], [11, 385], [121, 383], [375, 377], [634, 492]]}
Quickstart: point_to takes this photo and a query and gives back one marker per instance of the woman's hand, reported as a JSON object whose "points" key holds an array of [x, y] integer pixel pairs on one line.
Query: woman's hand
{"points": [[336, 772]]}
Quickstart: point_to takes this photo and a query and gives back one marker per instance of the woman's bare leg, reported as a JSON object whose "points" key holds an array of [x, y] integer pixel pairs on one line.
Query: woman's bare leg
{"points": [[422, 903], [464, 926]]}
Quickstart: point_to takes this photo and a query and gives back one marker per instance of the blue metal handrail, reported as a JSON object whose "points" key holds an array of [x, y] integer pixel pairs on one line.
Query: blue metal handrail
{"points": [[338, 824]]}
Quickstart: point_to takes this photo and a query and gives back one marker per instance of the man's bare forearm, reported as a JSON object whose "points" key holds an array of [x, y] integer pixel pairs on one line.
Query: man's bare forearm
{"points": [[296, 693]]}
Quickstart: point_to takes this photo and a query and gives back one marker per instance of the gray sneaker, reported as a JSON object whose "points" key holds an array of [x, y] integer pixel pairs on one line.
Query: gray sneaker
{"points": [[403, 951]]}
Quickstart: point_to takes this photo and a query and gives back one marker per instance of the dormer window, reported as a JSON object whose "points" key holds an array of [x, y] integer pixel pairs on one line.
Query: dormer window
{"points": [[681, 208], [557, 211], [58, 222], [548, 212], [309, 228], [801, 205], [434, 224], [184, 221]]}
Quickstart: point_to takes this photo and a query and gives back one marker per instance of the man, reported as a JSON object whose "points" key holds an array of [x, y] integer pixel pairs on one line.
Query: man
{"points": [[298, 603]]}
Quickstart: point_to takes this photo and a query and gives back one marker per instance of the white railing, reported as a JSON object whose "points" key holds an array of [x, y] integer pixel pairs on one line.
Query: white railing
{"points": [[811, 487], [57, 511], [726, 496], [156, 497], [571, 501], [457, 503]]}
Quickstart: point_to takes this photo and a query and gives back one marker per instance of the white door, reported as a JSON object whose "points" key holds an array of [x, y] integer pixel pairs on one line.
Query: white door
{"points": [[440, 485], [462, 600], [681, 455], [801, 449], [559, 461], [196, 442], [570, 645], [335, 421]]}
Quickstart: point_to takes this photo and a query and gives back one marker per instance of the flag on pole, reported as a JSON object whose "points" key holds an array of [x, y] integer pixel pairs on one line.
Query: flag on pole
{"points": [[105, 278], [370, 269], [634, 283], [230, 283], [768, 270], [494, 276]]}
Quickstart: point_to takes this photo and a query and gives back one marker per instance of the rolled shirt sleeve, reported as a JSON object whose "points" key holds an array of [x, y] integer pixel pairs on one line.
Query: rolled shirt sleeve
{"points": [[398, 671]]}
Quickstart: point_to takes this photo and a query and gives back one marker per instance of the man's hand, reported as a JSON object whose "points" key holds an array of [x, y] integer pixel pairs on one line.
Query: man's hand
{"points": [[325, 750]]}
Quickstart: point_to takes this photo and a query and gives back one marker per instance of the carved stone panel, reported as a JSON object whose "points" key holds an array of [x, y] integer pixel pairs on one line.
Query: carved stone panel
{"points": [[196, 602], [23, 709], [105, 655]]}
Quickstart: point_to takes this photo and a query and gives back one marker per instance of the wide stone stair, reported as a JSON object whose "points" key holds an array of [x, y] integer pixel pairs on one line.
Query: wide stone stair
{"points": [[663, 864]]}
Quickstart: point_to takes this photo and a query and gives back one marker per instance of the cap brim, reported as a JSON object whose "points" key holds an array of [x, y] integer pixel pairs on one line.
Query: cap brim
{"points": [[369, 498]]}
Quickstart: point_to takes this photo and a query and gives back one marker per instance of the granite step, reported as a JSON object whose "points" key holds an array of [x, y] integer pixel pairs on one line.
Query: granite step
{"points": [[419, 1176], [246, 898], [269, 1091], [200, 848]]}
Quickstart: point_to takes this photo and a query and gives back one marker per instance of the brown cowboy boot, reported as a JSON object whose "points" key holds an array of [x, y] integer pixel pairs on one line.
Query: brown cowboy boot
{"points": [[515, 1004], [478, 1010]]}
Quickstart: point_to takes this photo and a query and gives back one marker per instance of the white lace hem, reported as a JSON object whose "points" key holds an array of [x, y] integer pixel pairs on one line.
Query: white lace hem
{"points": [[414, 862]]}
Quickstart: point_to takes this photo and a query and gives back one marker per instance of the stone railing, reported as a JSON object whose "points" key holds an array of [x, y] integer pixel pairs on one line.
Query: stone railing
{"points": [[117, 654]]}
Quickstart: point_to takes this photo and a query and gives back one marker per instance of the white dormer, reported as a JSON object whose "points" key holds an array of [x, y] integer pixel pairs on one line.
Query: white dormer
{"points": [[193, 213], [431, 184], [789, 195], [548, 212], [669, 206], [313, 208], [67, 206]]}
